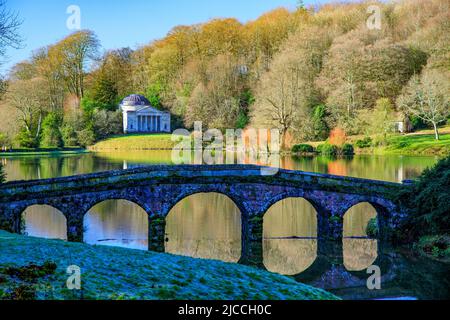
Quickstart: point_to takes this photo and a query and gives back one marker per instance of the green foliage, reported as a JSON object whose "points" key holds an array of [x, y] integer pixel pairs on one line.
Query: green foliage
{"points": [[51, 135], [154, 95], [436, 246], [89, 105], [372, 228], [327, 149], [4, 140], [417, 123], [69, 135], [347, 150], [321, 129], [104, 93], [242, 120], [86, 137], [428, 202], [364, 143], [27, 139], [107, 123], [302, 148]]}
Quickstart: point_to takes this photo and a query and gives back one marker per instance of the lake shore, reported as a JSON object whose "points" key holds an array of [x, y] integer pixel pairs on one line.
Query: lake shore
{"points": [[421, 143], [110, 273]]}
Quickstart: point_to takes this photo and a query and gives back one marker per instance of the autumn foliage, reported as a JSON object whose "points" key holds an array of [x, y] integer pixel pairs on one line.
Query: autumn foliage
{"points": [[337, 137]]}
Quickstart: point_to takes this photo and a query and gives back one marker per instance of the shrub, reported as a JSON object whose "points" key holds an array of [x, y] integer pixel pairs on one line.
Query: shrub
{"points": [[302, 148], [372, 228], [69, 135], [327, 149], [4, 141], [86, 137], [347, 150], [364, 143], [26, 139]]}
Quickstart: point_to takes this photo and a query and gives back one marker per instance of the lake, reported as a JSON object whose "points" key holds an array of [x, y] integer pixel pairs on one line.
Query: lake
{"points": [[208, 226]]}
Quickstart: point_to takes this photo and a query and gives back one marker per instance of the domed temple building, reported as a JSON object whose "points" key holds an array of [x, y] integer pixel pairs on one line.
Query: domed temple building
{"points": [[140, 116]]}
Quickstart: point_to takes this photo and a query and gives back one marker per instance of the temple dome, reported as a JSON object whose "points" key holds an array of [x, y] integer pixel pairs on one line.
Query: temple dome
{"points": [[135, 100]]}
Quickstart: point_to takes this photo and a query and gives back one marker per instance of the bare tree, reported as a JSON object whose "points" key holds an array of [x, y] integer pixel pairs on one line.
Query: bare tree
{"points": [[30, 99], [9, 26], [427, 97]]}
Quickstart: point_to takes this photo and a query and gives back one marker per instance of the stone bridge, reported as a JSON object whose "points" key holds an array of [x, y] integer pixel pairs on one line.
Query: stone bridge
{"points": [[157, 189]]}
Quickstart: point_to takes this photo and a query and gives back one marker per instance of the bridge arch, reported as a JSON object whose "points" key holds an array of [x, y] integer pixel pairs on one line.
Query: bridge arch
{"points": [[205, 225], [199, 189], [290, 236], [117, 222], [89, 204], [360, 249], [295, 193], [44, 221], [385, 212]]}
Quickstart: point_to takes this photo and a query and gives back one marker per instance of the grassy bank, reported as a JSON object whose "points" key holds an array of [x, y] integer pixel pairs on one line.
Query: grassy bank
{"points": [[116, 273], [132, 142], [418, 143]]}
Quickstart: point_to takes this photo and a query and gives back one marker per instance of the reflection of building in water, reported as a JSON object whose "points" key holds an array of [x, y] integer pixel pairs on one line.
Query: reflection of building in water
{"points": [[359, 254], [205, 225], [284, 223], [117, 223], [45, 222]]}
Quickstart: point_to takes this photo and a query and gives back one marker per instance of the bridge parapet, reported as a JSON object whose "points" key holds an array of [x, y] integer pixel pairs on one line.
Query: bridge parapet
{"points": [[232, 174]]}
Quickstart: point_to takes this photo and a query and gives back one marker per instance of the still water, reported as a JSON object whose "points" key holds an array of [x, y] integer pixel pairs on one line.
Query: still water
{"points": [[209, 225]]}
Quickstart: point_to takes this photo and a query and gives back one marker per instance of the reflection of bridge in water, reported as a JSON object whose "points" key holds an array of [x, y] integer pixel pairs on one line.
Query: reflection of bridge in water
{"points": [[157, 189]]}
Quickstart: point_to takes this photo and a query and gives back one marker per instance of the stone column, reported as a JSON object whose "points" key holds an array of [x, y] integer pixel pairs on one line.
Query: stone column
{"points": [[10, 217], [334, 239], [252, 240], [156, 233], [75, 228]]}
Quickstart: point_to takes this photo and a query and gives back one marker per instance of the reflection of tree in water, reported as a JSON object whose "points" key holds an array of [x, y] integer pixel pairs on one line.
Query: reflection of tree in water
{"points": [[117, 223], [289, 256], [205, 225], [285, 222], [44, 222], [359, 254]]}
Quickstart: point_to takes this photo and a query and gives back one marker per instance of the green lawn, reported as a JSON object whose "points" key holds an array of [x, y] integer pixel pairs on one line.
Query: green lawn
{"points": [[135, 142], [116, 273], [418, 144]]}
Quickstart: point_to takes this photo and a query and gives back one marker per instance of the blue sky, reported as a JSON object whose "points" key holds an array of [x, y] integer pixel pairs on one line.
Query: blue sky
{"points": [[125, 23]]}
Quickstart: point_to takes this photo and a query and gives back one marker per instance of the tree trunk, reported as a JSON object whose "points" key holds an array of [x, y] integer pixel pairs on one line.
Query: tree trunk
{"points": [[436, 132], [39, 126]]}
